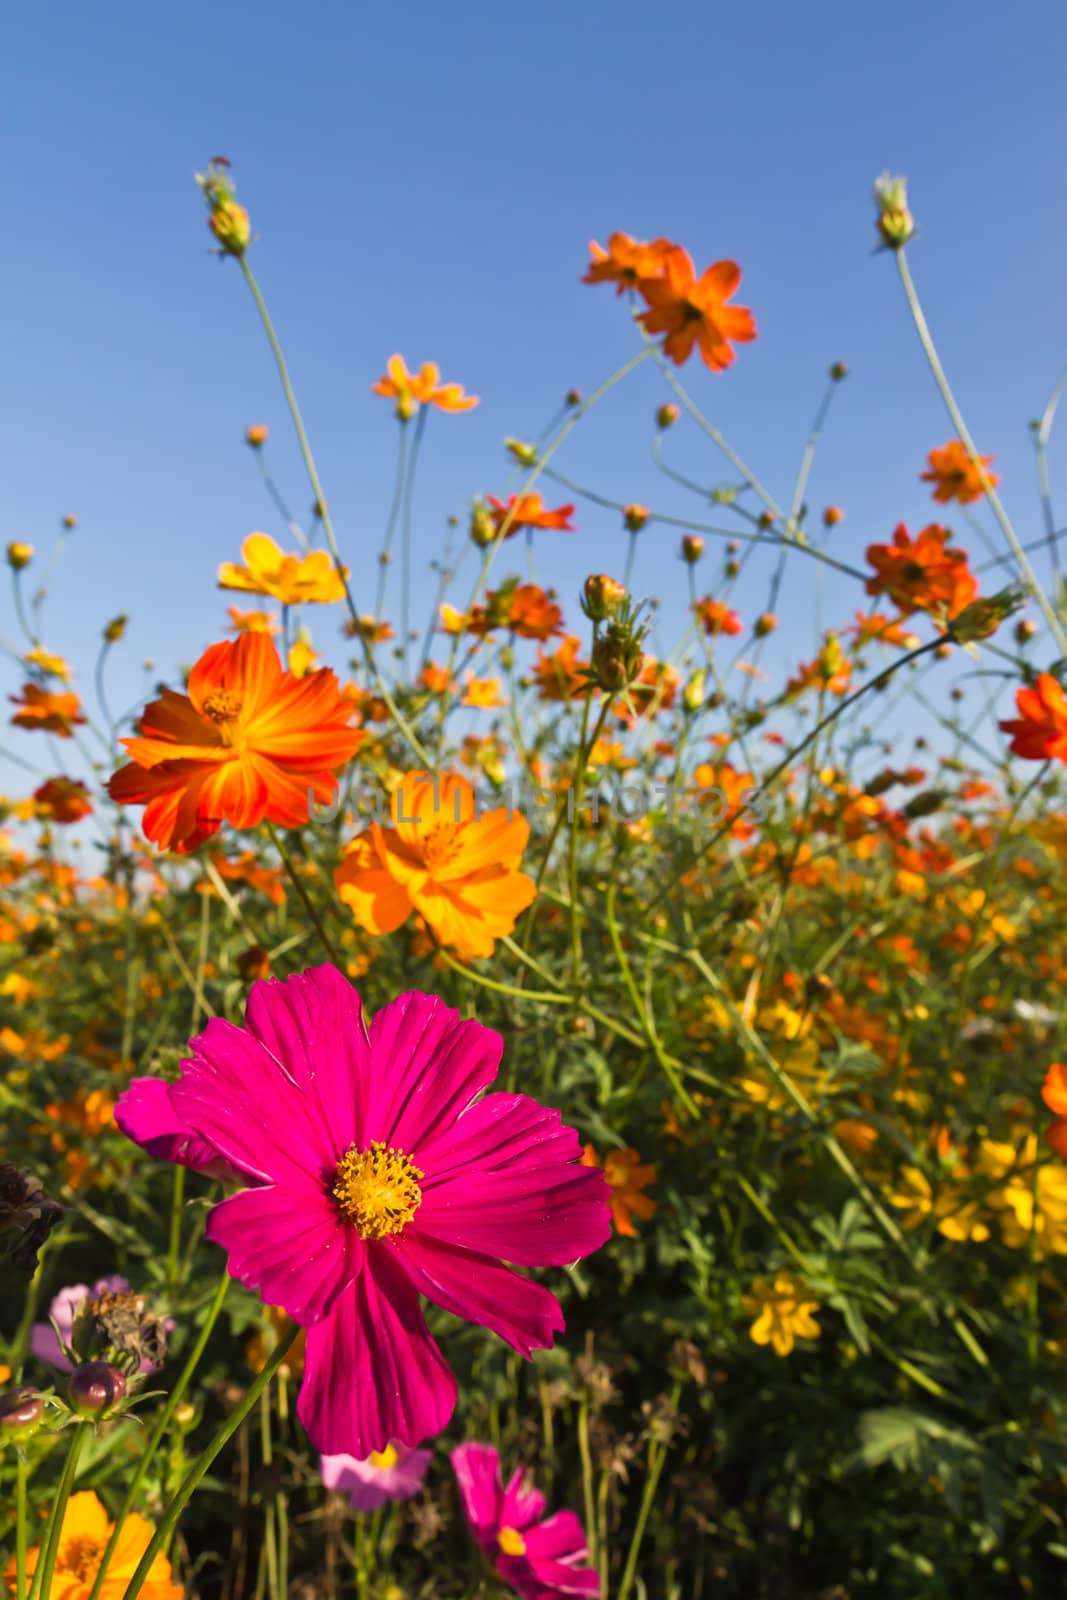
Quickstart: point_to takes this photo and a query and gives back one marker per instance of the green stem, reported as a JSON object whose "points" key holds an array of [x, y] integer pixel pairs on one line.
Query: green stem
{"points": [[587, 1479], [159, 1429], [926, 339], [204, 1461], [42, 1577], [390, 527], [20, 1525], [305, 898], [657, 1456]]}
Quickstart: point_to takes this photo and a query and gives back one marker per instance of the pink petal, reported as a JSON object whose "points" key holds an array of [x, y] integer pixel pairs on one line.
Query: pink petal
{"points": [[561, 1537], [540, 1580], [372, 1373], [520, 1506], [236, 1095], [481, 1290], [290, 1245], [313, 1026], [498, 1131], [146, 1114], [429, 1065], [477, 1469]]}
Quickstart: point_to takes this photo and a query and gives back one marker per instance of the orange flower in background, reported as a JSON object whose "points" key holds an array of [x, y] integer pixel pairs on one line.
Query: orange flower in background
{"points": [[246, 868], [692, 311], [49, 713], [654, 689], [83, 1538], [294, 580], [830, 672], [484, 694], [561, 675], [528, 511], [368, 628], [715, 617], [458, 870], [412, 389], [529, 613], [626, 261], [253, 621], [626, 1178], [920, 574], [880, 629], [33, 1045], [955, 475], [1039, 732], [62, 800], [247, 742], [435, 679], [1054, 1094], [730, 788]]}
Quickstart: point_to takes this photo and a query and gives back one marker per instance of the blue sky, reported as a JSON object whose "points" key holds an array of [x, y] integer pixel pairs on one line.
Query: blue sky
{"points": [[425, 178]]}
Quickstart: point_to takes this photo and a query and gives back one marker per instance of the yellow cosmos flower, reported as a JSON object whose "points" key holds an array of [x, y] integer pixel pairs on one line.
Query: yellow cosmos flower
{"points": [[784, 1312], [83, 1539], [292, 579]]}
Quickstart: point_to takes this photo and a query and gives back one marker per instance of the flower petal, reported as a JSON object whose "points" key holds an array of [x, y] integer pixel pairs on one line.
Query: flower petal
{"points": [[291, 1246], [431, 1065], [480, 1290]]}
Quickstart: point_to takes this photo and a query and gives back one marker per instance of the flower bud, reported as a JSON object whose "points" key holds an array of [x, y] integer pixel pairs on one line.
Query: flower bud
{"points": [[96, 1388], [634, 517], [896, 225], [765, 520], [1025, 629], [230, 224], [69, 523], [982, 618], [692, 547], [19, 555], [253, 963], [832, 516], [601, 597], [525, 454], [257, 435], [21, 1411], [572, 398], [765, 624], [617, 658], [838, 371], [667, 416], [116, 628], [693, 693], [732, 568], [483, 528], [925, 804]]}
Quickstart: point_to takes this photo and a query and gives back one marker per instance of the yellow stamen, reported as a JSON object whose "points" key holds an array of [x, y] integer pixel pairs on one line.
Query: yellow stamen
{"points": [[511, 1542], [384, 1459], [222, 705], [81, 1557], [377, 1189]]}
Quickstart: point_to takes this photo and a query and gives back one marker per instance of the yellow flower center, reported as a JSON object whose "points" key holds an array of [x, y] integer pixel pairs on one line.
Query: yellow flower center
{"points": [[384, 1459], [511, 1542], [439, 845], [81, 1557], [222, 705], [377, 1189]]}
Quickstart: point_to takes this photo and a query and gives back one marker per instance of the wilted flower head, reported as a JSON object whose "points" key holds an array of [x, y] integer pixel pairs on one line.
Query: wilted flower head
{"points": [[27, 1216], [115, 1326]]}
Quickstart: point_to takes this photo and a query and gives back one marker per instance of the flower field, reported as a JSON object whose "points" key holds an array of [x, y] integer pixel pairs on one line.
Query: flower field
{"points": [[524, 1106]]}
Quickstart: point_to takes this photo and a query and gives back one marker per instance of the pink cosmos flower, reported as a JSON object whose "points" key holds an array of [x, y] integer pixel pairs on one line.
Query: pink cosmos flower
{"points": [[376, 1172], [395, 1473], [539, 1559], [44, 1343]]}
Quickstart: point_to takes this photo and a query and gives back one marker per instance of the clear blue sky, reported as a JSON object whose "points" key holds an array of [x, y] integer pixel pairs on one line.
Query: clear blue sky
{"points": [[425, 178]]}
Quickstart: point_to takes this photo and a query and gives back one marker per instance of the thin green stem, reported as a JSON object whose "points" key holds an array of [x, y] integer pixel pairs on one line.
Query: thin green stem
{"points": [[203, 1463], [305, 899], [21, 1473], [45, 1569]]}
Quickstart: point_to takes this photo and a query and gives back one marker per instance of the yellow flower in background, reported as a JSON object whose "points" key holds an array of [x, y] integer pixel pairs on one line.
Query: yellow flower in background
{"points": [[83, 1539], [294, 580], [626, 1178], [1031, 1203], [51, 665], [784, 1311], [302, 655], [253, 621]]}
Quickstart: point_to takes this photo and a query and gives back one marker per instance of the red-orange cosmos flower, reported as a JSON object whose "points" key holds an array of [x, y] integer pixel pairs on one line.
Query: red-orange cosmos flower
{"points": [[51, 713], [715, 617], [247, 742], [62, 800], [626, 261], [691, 310], [1040, 730], [1054, 1094], [528, 511], [920, 574], [627, 1177], [955, 475]]}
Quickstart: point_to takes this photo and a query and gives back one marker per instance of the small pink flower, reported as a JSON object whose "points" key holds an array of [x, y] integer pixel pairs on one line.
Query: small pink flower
{"points": [[395, 1473], [539, 1559], [377, 1170]]}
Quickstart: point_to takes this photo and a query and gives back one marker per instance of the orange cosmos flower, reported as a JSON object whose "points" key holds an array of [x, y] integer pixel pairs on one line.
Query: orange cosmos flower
{"points": [[880, 629], [246, 868], [528, 511], [528, 612], [626, 1178], [716, 617], [247, 742], [654, 689], [458, 870], [920, 574], [1040, 731], [294, 580], [691, 310], [83, 1538], [49, 713], [253, 621], [62, 800], [412, 389], [562, 675], [955, 475], [829, 672], [483, 693], [435, 679], [1054, 1094], [626, 261]]}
